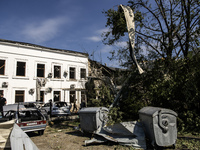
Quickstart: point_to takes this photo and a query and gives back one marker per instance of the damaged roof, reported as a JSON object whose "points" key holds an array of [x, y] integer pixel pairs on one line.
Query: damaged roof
{"points": [[24, 44]]}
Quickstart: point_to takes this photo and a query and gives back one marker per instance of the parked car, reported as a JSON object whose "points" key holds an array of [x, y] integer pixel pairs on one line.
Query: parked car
{"points": [[28, 119], [37, 105], [58, 108], [32, 104]]}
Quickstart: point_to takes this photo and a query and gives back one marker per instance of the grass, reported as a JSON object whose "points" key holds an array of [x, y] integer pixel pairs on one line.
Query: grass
{"points": [[190, 144]]}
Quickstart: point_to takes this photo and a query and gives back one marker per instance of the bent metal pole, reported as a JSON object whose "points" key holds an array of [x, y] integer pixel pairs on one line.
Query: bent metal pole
{"points": [[129, 16]]}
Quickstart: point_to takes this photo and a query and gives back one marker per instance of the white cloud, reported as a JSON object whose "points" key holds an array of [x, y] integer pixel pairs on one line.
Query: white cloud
{"points": [[45, 30], [94, 38], [106, 49], [97, 35]]}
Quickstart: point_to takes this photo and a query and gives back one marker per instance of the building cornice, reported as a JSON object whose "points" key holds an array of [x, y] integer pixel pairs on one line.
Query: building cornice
{"points": [[43, 48]]}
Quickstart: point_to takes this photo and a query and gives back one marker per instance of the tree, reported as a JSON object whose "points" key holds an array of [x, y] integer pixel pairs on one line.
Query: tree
{"points": [[167, 29]]}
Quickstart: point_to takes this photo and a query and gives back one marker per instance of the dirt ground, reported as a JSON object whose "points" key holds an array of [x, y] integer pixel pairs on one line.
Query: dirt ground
{"points": [[61, 134]]}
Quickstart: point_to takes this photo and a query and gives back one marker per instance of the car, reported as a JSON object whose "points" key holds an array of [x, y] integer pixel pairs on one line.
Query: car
{"points": [[28, 119], [37, 105], [58, 108], [31, 104]]}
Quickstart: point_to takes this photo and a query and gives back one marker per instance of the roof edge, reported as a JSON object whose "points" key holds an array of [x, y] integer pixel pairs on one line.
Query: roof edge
{"points": [[25, 44]]}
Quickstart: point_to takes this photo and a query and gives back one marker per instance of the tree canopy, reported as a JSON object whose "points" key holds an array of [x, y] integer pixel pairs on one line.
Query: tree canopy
{"points": [[166, 29]]}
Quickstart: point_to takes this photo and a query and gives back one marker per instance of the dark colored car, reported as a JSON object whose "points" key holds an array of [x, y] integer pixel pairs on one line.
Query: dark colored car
{"points": [[28, 119]]}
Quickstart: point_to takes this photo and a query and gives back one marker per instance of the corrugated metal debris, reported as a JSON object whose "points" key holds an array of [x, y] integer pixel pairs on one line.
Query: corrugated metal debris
{"points": [[5, 129], [124, 133], [20, 140]]}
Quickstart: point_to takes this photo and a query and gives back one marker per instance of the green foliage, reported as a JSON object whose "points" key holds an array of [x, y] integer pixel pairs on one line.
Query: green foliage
{"points": [[169, 31], [176, 87], [117, 24], [115, 116], [166, 29], [105, 98]]}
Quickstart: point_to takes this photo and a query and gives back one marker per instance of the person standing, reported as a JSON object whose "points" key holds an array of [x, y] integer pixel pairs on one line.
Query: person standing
{"points": [[82, 104], [50, 103], [2, 102], [75, 106]]}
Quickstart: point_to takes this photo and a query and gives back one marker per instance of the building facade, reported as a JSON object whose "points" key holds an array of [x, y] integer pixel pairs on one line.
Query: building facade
{"points": [[31, 72]]}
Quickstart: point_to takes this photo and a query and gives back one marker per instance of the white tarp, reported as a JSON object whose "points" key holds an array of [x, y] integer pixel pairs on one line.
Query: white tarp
{"points": [[129, 16], [20, 140]]}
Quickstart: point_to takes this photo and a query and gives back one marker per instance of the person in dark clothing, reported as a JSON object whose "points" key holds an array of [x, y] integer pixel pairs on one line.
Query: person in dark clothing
{"points": [[2, 103], [75, 106], [82, 104], [50, 102]]}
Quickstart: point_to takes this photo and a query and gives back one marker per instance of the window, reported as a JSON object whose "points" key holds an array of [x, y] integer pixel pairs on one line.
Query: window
{"points": [[57, 72], [41, 96], [72, 73], [19, 96], [72, 96], [83, 73], [1, 91], [56, 97], [40, 70], [2, 67], [21, 69]]}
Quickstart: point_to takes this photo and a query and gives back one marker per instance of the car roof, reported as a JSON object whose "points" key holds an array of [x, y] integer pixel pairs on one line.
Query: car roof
{"points": [[14, 107], [29, 109], [60, 102]]}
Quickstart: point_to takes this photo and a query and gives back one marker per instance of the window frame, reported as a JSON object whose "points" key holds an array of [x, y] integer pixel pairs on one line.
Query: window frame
{"points": [[81, 73], [39, 69], [72, 96], [60, 69], [59, 99], [19, 94], [24, 70], [4, 67], [74, 73]]}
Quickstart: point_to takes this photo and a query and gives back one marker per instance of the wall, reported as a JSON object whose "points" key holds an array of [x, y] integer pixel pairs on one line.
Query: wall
{"points": [[33, 55]]}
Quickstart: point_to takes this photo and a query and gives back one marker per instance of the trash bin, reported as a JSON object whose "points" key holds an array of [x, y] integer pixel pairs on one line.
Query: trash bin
{"points": [[91, 118], [160, 125]]}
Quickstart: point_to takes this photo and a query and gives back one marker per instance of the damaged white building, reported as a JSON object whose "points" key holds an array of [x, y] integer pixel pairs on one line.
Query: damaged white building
{"points": [[30, 72]]}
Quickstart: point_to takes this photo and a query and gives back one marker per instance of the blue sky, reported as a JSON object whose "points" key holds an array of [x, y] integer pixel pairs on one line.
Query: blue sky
{"points": [[64, 24]]}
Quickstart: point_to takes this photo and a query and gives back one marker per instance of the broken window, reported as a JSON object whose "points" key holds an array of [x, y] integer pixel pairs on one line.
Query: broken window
{"points": [[57, 72], [41, 96], [72, 73], [40, 70], [2, 67], [83, 73], [19, 96], [72, 96], [21, 68], [56, 97]]}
